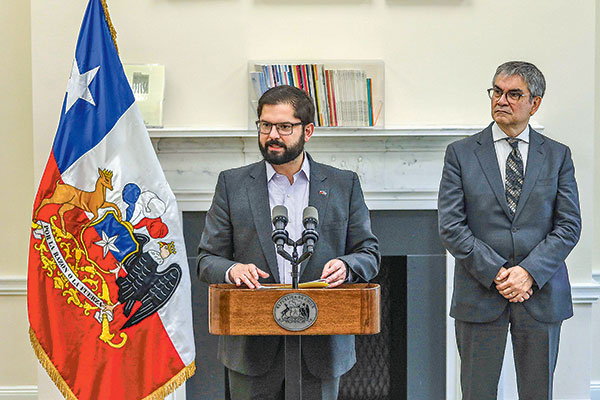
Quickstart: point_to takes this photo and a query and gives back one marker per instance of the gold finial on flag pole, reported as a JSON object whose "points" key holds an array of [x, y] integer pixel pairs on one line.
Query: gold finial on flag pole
{"points": [[111, 27]]}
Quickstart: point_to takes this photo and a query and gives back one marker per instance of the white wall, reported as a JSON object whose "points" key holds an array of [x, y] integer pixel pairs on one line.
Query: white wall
{"points": [[596, 248], [439, 54], [17, 365]]}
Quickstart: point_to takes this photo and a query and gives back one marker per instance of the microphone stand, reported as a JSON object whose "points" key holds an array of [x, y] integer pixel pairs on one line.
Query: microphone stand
{"points": [[293, 343], [293, 258]]}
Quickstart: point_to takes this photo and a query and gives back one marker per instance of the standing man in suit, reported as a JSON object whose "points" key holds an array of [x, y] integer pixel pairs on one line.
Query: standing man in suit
{"points": [[236, 245], [509, 214]]}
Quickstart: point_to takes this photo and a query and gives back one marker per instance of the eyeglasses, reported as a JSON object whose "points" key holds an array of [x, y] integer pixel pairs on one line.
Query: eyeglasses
{"points": [[283, 128], [512, 96]]}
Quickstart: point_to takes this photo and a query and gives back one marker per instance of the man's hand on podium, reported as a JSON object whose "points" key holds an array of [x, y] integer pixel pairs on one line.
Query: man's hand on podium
{"points": [[246, 273], [334, 272]]}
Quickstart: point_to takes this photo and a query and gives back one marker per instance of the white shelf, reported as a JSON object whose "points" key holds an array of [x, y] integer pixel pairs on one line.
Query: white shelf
{"points": [[401, 131]]}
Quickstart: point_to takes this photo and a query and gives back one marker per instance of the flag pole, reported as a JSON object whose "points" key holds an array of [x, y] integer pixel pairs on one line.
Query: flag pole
{"points": [[111, 27]]}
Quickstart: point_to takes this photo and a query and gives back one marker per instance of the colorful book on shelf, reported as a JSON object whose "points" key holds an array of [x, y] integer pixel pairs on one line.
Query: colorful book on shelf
{"points": [[341, 97], [296, 76], [318, 111], [310, 85], [320, 107], [370, 100], [299, 77], [269, 72], [311, 90], [324, 99], [286, 74], [304, 79], [331, 98], [277, 75], [337, 84], [268, 76], [291, 75]]}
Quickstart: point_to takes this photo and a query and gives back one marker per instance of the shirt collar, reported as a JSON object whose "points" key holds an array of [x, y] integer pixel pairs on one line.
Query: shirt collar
{"points": [[498, 134], [304, 169]]}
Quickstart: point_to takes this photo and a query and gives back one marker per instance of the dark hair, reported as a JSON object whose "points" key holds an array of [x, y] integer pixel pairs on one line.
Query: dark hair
{"points": [[301, 102], [533, 77]]}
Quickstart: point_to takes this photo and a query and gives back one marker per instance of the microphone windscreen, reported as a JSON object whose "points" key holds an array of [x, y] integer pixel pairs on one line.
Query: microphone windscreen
{"points": [[279, 211], [310, 212]]}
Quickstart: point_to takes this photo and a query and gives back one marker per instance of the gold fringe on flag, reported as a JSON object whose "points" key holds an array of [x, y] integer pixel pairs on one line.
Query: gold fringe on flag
{"points": [[174, 383], [111, 27], [65, 390], [50, 368]]}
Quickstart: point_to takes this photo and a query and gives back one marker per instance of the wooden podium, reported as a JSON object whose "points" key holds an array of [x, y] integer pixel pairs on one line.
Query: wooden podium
{"points": [[349, 309]]}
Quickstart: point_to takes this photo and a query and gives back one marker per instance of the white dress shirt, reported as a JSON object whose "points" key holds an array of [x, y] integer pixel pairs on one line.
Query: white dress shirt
{"points": [[503, 149], [294, 197]]}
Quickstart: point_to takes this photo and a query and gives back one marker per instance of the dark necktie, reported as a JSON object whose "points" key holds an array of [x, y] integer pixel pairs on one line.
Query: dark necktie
{"points": [[514, 175]]}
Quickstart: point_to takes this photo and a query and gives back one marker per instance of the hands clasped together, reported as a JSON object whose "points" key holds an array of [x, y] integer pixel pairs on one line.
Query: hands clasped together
{"points": [[514, 284], [334, 272]]}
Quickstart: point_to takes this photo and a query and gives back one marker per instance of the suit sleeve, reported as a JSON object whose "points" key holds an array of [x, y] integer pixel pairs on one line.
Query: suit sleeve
{"points": [[545, 258], [362, 248], [215, 251], [479, 259]]}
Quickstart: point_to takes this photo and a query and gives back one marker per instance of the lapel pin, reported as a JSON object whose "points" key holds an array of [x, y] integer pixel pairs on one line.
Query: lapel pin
{"points": [[322, 192]]}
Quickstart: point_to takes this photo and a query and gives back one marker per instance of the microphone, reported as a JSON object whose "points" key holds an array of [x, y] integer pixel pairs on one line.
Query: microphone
{"points": [[310, 220], [279, 216]]}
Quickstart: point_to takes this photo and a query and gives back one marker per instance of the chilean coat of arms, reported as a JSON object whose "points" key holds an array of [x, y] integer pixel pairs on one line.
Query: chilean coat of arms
{"points": [[102, 256]]}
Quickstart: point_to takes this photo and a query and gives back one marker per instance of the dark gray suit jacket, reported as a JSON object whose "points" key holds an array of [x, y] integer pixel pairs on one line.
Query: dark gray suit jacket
{"points": [[476, 226], [238, 229]]}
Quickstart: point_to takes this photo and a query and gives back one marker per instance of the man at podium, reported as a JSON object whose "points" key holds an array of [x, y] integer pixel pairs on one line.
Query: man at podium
{"points": [[236, 245]]}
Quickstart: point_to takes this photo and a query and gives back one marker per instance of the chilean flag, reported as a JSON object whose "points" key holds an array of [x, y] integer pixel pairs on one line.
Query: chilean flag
{"points": [[109, 295]]}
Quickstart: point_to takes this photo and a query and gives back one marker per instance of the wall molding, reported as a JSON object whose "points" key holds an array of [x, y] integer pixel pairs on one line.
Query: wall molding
{"points": [[13, 286], [19, 392], [595, 390], [582, 293], [585, 293]]}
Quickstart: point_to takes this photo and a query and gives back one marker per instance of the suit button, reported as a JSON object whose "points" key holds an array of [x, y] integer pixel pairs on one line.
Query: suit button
{"points": [[514, 229]]}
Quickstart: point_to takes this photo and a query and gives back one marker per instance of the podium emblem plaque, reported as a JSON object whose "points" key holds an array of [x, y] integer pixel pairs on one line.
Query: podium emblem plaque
{"points": [[295, 312]]}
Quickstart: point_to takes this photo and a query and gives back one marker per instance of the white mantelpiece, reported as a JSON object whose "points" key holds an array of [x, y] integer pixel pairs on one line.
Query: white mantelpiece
{"points": [[399, 169]]}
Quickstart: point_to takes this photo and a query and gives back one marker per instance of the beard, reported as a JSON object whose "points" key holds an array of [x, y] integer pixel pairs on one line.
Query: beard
{"points": [[289, 153]]}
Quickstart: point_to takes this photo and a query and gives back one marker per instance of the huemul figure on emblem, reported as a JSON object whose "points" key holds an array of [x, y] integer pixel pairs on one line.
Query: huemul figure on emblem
{"points": [[70, 197]]}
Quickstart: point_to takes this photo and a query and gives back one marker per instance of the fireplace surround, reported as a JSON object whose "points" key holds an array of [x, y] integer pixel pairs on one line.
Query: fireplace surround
{"points": [[399, 171]]}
